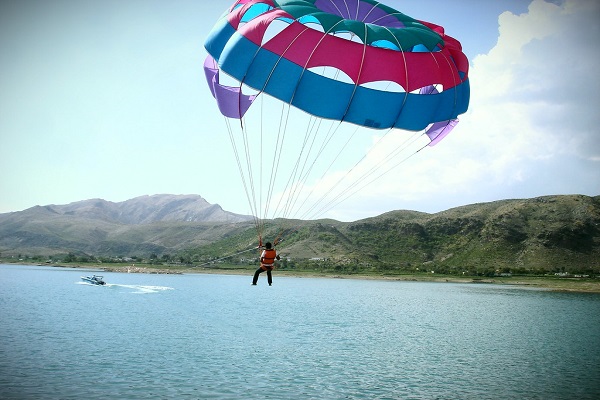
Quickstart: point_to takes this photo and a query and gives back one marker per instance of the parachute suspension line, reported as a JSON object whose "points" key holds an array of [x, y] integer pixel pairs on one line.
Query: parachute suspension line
{"points": [[249, 183], [353, 184], [220, 259], [298, 178], [264, 204], [330, 134], [294, 93], [305, 66], [260, 191], [397, 13], [346, 112], [340, 151], [249, 165], [241, 172], [306, 170], [280, 136], [308, 212], [318, 204], [251, 179], [283, 120], [292, 186], [356, 187], [302, 169], [293, 183], [321, 206], [398, 150], [259, 218], [334, 4], [347, 192], [283, 123], [305, 175], [380, 175]]}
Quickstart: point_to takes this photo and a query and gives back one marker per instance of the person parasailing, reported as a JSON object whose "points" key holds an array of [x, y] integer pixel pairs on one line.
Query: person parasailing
{"points": [[267, 260], [367, 67]]}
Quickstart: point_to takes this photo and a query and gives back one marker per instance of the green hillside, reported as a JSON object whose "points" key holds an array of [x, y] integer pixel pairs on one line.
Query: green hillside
{"points": [[551, 233], [554, 233]]}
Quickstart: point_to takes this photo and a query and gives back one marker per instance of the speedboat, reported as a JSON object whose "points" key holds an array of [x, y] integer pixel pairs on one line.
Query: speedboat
{"points": [[94, 280]]}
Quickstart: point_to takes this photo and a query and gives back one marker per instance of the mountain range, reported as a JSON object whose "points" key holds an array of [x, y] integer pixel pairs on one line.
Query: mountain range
{"points": [[549, 232], [141, 210], [97, 226]]}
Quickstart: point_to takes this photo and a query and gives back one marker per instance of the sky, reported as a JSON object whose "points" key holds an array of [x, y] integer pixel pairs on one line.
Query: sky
{"points": [[108, 99]]}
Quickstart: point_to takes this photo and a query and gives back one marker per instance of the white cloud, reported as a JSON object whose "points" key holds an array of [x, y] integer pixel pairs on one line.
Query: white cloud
{"points": [[540, 80], [532, 120]]}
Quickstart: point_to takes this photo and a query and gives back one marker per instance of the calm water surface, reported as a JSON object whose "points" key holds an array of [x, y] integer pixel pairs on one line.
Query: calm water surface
{"points": [[217, 337]]}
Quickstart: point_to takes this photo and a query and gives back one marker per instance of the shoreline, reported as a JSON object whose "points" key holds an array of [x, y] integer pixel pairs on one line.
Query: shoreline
{"points": [[542, 283], [578, 285]]}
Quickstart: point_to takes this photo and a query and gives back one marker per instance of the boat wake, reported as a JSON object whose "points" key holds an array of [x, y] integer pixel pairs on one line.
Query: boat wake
{"points": [[137, 289], [141, 289]]}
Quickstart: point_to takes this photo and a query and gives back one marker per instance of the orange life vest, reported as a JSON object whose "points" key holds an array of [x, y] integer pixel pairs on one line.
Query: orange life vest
{"points": [[268, 258]]}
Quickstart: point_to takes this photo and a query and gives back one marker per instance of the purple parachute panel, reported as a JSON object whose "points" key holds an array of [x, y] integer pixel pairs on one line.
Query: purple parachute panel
{"points": [[439, 130], [359, 11], [232, 103]]}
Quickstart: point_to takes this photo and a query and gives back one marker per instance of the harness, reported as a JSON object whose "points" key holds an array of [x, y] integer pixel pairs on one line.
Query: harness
{"points": [[267, 259]]}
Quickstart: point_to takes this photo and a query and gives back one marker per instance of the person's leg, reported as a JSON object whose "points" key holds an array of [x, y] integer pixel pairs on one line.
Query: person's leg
{"points": [[269, 277], [255, 279]]}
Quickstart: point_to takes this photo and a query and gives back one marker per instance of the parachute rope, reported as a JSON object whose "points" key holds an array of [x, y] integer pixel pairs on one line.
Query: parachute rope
{"points": [[221, 259], [306, 170], [317, 209], [355, 188], [341, 150], [293, 183], [290, 199], [240, 168]]}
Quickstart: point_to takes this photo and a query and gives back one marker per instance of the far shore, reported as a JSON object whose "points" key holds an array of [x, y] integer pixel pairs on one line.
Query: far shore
{"points": [[586, 285]]}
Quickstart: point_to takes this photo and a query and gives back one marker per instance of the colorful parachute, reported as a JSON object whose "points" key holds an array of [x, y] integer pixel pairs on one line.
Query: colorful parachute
{"points": [[357, 61]]}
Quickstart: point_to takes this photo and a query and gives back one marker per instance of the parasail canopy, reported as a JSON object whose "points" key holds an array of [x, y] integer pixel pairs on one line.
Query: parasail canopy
{"points": [[354, 61], [357, 61]]}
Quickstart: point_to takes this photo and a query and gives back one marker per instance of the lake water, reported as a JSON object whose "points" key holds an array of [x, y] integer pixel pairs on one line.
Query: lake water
{"points": [[217, 337]]}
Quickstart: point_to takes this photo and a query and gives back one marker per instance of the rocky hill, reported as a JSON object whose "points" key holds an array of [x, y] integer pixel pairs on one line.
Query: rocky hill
{"points": [[551, 232], [544, 233], [148, 223], [141, 210]]}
